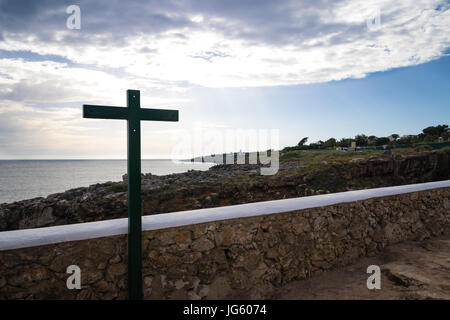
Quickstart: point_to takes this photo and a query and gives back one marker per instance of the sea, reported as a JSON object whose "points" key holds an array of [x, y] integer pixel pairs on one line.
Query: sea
{"points": [[26, 179]]}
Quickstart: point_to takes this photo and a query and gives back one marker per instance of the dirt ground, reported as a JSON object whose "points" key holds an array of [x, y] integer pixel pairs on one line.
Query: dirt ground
{"points": [[409, 270]]}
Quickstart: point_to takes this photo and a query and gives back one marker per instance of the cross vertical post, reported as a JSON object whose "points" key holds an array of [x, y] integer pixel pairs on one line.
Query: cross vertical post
{"points": [[133, 114], [134, 196]]}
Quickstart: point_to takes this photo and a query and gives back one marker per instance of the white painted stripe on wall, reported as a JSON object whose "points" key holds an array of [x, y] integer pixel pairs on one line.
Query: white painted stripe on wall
{"points": [[42, 236]]}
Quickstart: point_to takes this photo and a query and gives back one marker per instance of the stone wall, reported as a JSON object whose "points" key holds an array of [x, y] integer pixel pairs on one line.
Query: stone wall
{"points": [[237, 258]]}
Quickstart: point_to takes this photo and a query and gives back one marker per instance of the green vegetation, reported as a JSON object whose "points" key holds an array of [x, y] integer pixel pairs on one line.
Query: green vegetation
{"points": [[302, 142], [327, 169], [430, 134], [313, 157], [91, 205], [423, 148], [119, 187]]}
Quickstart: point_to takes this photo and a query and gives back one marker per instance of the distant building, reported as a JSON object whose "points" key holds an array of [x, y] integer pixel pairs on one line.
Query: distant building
{"points": [[352, 148]]}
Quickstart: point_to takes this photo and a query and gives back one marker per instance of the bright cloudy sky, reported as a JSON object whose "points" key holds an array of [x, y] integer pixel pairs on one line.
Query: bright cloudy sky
{"points": [[305, 68]]}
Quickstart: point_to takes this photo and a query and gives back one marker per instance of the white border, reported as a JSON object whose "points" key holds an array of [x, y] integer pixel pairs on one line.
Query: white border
{"points": [[73, 232]]}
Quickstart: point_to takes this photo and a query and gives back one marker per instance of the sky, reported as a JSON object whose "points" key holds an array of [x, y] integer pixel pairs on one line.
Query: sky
{"points": [[319, 69]]}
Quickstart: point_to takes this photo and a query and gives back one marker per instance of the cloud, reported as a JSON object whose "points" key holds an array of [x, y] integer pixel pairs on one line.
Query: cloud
{"points": [[166, 47], [36, 130], [233, 43]]}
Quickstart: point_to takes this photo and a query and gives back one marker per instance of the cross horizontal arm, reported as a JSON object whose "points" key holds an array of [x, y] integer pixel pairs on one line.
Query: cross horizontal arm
{"points": [[103, 112], [158, 114]]}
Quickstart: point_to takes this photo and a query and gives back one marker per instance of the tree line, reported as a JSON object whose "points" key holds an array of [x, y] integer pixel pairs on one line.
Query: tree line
{"points": [[429, 134]]}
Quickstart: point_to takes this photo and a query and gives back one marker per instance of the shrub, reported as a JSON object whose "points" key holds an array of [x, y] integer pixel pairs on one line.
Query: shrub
{"points": [[119, 187], [423, 148]]}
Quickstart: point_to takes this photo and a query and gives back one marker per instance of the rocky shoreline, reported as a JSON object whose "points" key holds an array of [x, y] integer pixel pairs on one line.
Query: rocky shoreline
{"points": [[225, 185]]}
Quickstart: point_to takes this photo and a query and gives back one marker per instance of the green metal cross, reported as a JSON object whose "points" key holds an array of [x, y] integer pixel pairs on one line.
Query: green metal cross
{"points": [[134, 114]]}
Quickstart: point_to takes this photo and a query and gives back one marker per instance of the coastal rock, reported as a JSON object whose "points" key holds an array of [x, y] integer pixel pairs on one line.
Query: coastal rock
{"points": [[46, 217], [223, 185]]}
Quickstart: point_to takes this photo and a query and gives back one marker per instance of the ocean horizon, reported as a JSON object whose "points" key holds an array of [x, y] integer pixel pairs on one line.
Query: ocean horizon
{"points": [[22, 179]]}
